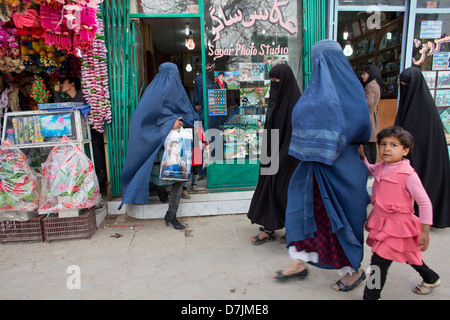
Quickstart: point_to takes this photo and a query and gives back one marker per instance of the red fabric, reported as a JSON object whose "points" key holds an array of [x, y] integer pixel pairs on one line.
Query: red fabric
{"points": [[325, 242]]}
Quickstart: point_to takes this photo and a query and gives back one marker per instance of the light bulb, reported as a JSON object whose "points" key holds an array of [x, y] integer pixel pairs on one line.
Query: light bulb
{"points": [[348, 50], [190, 41], [188, 67], [345, 34]]}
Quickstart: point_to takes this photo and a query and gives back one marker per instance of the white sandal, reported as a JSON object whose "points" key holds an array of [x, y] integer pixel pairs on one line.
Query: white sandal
{"points": [[425, 288]]}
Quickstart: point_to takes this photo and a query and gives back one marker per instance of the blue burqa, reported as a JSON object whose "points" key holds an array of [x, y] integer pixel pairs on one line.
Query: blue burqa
{"points": [[164, 101], [198, 94], [329, 122]]}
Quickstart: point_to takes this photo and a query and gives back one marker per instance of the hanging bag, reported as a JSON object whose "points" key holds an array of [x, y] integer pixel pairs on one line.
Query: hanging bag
{"points": [[177, 158]]}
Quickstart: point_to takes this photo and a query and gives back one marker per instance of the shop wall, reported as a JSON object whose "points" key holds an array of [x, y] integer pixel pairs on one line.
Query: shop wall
{"points": [[402, 34], [244, 40]]}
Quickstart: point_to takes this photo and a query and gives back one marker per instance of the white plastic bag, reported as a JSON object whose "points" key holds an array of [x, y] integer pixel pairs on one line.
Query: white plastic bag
{"points": [[177, 159]]}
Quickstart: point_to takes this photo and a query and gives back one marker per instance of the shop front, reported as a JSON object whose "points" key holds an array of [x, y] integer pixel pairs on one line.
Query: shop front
{"points": [[229, 48], [54, 107], [394, 35]]}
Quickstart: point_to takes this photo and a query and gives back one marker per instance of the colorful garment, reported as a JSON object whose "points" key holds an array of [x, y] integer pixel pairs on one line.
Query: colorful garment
{"points": [[328, 123], [393, 228]]}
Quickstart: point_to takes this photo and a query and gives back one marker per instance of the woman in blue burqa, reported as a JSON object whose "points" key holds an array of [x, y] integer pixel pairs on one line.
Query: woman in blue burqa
{"points": [[163, 107], [327, 196]]}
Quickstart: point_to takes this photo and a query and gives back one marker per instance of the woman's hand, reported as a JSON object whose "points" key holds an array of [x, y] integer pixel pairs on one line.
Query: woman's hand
{"points": [[178, 124]]}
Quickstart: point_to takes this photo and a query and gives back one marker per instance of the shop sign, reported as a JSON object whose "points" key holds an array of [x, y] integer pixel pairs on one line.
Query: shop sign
{"points": [[274, 15], [243, 50], [432, 47]]}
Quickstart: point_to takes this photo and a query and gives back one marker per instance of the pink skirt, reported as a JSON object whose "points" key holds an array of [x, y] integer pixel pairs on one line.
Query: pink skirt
{"points": [[395, 236]]}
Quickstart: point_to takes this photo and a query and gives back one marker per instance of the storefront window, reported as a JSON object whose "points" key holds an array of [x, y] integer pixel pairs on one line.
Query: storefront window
{"points": [[371, 2], [164, 6], [244, 40], [432, 54], [379, 45], [433, 4]]}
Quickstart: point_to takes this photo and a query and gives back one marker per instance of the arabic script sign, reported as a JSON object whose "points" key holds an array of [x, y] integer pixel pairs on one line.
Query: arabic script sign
{"points": [[431, 46], [274, 16]]}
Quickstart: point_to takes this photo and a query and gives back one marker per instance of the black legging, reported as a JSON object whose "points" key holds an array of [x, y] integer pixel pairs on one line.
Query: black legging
{"points": [[372, 291]]}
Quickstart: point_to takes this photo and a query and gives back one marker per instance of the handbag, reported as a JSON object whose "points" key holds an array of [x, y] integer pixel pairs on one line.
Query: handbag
{"points": [[177, 158]]}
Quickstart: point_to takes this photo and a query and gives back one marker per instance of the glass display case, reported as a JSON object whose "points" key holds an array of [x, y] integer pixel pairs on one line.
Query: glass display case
{"points": [[35, 133]]}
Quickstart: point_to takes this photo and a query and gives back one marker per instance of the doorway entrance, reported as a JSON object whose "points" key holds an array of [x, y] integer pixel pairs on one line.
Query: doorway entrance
{"points": [[176, 40], [164, 40]]}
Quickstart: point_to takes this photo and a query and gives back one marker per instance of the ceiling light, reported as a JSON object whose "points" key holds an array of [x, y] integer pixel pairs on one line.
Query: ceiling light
{"points": [[348, 50], [345, 34], [187, 30], [190, 41], [188, 67]]}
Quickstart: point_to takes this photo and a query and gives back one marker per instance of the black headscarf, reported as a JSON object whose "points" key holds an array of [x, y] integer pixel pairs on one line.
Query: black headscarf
{"points": [[269, 201], [374, 74], [418, 114]]}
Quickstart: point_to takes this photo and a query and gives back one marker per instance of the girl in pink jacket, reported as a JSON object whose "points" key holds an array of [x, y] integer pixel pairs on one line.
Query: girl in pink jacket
{"points": [[395, 233]]}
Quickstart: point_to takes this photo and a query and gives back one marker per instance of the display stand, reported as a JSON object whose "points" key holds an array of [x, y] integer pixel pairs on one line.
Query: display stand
{"points": [[44, 129]]}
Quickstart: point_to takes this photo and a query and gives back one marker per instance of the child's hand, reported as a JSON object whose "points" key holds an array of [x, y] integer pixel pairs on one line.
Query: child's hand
{"points": [[362, 156], [424, 241]]}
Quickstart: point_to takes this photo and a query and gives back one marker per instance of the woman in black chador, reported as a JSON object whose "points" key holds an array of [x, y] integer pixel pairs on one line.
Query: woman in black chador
{"points": [[268, 205], [418, 114]]}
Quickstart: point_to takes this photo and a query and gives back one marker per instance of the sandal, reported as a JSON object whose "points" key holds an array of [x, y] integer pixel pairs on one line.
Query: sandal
{"points": [[282, 239], [425, 288], [343, 287], [185, 196], [258, 240]]}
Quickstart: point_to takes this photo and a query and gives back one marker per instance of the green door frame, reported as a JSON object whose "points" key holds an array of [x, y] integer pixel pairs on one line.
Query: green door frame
{"points": [[120, 41], [314, 30]]}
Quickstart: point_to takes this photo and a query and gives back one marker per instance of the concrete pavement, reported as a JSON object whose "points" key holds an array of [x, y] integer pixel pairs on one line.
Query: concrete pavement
{"points": [[212, 259]]}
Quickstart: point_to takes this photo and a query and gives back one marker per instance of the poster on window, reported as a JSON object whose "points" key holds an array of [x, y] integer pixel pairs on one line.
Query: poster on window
{"points": [[431, 29], [217, 102], [442, 98], [445, 118], [443, 81], [430, 78], [441, 61], [235, 150], [231, 78], [253, 96]]}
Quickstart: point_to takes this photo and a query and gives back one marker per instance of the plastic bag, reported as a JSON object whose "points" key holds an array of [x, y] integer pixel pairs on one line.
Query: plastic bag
{"points": [[18, 182], [177, 159], [68, 180]]}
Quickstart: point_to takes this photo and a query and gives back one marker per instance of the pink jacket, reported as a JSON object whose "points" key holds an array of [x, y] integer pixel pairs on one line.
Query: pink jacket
{"points": [[393, 196], [400, 187]]}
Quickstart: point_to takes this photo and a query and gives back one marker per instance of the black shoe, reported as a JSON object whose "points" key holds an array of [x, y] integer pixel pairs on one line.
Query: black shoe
{"points": [[163, 196], [300, 275], [176, 224]]}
